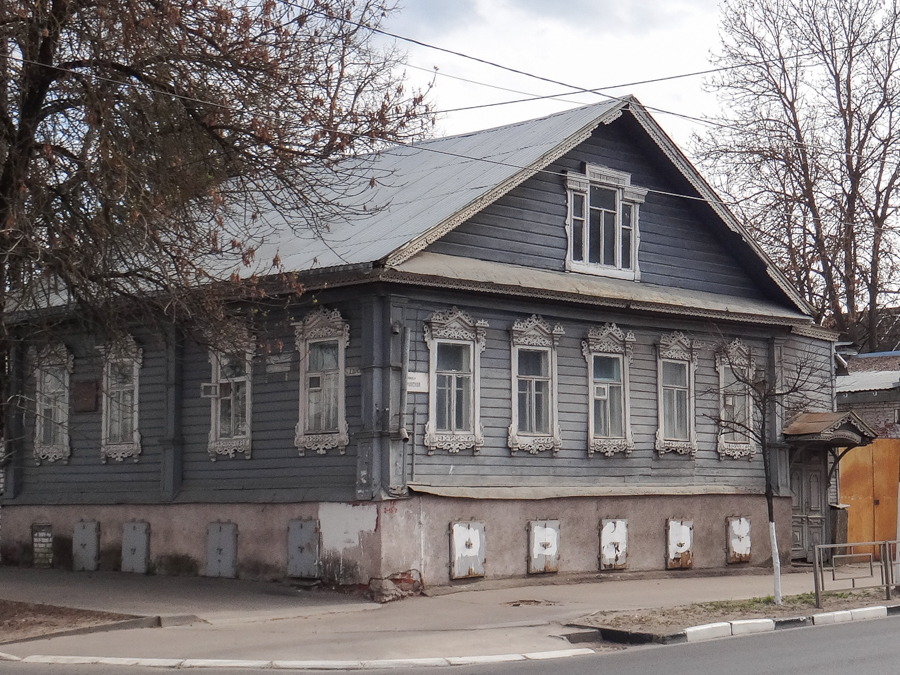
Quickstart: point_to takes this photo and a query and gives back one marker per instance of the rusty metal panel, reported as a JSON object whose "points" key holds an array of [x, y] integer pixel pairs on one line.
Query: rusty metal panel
{"points": [[86, 546], [613, 544], [221, 550], [680, 544], [543, 546], [303, 549], [136, 547], [738, 535], [467, 546]]}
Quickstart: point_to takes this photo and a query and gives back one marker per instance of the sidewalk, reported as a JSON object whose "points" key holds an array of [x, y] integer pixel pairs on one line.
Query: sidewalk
{"points": [[266, 621]]}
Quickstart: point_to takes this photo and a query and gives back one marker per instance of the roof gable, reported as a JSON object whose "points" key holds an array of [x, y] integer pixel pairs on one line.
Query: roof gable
{"points": [[424, 191]]}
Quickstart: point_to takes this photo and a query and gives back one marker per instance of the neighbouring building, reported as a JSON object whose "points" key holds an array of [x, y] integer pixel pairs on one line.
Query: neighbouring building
{"points": [[519, 362]]}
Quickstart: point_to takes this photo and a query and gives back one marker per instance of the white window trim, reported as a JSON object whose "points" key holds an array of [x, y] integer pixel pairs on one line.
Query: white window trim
{"points": [[128, 353], [320, 326], [609, 340], [454, 327], [56, 356], [626, 193], [677, 348], [737, 356], [530, 334], [229, 447]]}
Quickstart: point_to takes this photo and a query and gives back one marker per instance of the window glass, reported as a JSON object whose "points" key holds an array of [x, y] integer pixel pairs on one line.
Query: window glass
{"points": [[603, 198], [607, 368], [231, 366], [674, 374], [322, 383], [609, 238], [595, 238], [454, 387], [533, 363], [626, 236]]}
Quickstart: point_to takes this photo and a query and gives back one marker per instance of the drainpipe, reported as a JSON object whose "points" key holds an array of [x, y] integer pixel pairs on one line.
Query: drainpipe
{"points": [[404, 375]]}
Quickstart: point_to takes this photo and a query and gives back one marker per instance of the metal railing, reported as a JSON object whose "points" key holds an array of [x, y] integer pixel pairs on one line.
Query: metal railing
{"points": [[856, 565]]}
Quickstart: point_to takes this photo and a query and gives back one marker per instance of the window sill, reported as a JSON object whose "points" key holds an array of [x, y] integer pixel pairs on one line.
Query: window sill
{"points": [[533, 443], [598, 270], [610, 446], [119, 451], [321, 443], [736, 450], [228, 447], [680, 447], [52, 453], [453, 442]]}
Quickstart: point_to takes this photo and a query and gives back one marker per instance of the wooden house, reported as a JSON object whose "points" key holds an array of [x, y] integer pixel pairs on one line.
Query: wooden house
{"points": [[516, 363]]}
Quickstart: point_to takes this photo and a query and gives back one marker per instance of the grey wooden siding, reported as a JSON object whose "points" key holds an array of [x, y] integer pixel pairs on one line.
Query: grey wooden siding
{"points": [[84, 477], [678, 247], [809, 362], [495, 466], [275, 469], [275, 472]]}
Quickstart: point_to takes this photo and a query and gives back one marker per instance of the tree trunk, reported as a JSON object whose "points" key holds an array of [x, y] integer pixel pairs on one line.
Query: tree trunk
{"points": [[776, 561]]}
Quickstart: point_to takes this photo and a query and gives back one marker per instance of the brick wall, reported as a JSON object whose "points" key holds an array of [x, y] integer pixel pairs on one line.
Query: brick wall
{"points": [[881, 417]]}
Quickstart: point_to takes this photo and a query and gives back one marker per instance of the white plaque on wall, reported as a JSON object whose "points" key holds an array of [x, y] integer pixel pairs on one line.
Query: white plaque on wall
{"points": [[417, 382]]}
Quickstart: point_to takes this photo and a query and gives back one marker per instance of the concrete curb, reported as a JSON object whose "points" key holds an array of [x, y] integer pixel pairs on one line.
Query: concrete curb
{"points": [[723, 629], [126, 624], [307, 665]]}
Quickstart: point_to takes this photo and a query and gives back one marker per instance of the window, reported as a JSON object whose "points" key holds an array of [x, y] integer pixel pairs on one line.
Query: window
{"points": [[322, 339], [230, 397], [602, 223], [675, 375], [455, 342], [608, 352], [120, 437], [735, 363], [51, 425], [535, 424]]}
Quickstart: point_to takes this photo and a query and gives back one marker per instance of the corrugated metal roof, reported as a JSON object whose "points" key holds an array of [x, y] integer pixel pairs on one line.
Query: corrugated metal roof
{"points": [[871, 380], [418, 187]]}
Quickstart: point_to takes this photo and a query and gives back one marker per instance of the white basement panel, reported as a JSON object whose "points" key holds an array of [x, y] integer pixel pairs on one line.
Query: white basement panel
{"points": [[613, 544], [467, 547], [738, 530], [86, 546], [543, 546], [680, 544]]}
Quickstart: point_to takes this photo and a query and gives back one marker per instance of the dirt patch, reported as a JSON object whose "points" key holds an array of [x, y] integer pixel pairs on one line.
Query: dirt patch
{"points": [[22, 620], [668, 620]]}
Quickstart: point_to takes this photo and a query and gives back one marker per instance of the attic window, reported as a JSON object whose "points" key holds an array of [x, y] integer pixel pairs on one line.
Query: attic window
{"points": [[602, 222]]}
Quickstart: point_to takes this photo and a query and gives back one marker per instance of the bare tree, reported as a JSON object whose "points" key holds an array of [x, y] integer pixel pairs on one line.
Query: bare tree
{"points": [[753, 398], [141, 141], [808, 146]]}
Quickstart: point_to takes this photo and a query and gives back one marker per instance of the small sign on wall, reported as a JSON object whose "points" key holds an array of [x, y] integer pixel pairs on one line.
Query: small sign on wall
{"points": [[417, 382]]}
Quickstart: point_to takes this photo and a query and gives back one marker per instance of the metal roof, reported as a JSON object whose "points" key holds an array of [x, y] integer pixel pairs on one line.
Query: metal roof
{"points": [[867, 380], [420, 186]]}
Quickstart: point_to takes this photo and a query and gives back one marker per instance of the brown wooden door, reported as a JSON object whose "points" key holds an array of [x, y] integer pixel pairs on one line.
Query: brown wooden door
{"points": [[808, 503], [869, 483]]}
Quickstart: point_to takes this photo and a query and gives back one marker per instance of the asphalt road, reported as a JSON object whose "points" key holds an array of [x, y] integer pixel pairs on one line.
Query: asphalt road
{"points": [[860, 647]]}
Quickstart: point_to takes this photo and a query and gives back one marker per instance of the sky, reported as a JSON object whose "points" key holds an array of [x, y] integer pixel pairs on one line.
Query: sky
{"points": [[585, 43]]}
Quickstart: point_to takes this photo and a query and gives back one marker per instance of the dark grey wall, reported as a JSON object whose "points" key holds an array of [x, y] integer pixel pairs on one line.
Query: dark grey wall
{"points": [[495, 466], [678, 247]]}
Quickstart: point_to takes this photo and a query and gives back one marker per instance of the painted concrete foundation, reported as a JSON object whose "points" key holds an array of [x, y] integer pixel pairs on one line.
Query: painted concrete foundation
{"points": [[360, 542]]}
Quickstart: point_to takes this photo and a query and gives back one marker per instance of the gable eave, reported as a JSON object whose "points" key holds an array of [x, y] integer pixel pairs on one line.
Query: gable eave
{"points": [[709, 195], [407, 250]]}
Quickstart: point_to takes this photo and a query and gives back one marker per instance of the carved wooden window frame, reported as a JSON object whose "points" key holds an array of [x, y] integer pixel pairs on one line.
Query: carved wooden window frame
{"points": [[127, 354], [676, 347], [229, 447], [55, 357], [626, 195], [535, 334], [609, 340], [322, 325], [455, 327], [737, 356]]}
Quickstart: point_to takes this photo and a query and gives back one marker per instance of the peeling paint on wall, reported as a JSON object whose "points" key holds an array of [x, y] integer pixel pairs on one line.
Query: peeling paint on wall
{"points": [[467, 548], [680, 544], [613, 544], [544, 546], [738, 540], [341, 524]]}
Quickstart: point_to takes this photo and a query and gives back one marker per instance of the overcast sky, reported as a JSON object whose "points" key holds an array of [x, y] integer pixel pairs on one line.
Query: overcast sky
{"points": [[585, 43]]}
